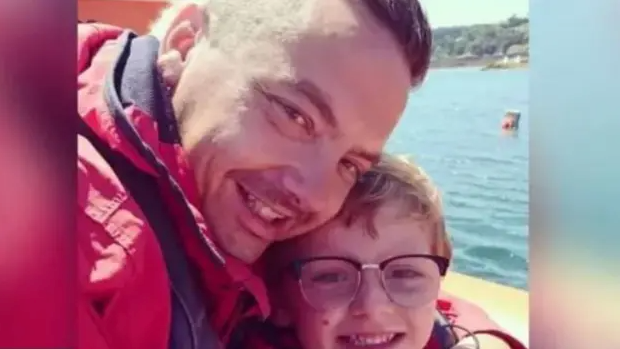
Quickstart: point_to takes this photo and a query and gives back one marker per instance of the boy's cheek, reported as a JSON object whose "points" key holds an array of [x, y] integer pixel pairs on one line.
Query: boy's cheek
{"points": [[318, 329], [419, 325]]}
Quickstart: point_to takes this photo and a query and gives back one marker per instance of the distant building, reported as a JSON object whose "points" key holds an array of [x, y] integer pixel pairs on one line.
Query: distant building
{"points": [[518, 50], [514, 59], [516, 54]]}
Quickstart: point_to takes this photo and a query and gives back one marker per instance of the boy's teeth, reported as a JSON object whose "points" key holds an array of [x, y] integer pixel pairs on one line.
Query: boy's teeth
{"points": [[368, 340], [264, 211]]}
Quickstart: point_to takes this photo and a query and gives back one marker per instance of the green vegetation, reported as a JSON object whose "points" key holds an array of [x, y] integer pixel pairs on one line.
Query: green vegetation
{"points": [[490, 45]]}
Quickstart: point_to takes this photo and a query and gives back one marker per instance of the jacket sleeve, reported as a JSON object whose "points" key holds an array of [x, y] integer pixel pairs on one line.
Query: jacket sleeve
{"points": [[90, 37], [99, 266], [109, 247]]}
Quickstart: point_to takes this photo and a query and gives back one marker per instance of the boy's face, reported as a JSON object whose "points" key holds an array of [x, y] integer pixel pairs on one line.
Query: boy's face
{"points": [[369, 316]]}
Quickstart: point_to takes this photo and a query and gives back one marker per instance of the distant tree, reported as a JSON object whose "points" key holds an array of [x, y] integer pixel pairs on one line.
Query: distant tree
{"points": [[460, 47], [476, 49], [514, 21], [481, 39]]}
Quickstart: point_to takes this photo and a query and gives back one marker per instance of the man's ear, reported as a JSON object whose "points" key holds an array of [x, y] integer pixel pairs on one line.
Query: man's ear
{"points": [[188, 25]]}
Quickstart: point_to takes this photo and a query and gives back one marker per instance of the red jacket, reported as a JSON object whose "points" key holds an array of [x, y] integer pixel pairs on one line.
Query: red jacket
{"points": [[124, 287], [457, 312]]}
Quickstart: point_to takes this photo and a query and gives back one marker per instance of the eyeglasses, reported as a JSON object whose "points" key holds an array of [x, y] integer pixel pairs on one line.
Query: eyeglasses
{"points": [[333, 282]]}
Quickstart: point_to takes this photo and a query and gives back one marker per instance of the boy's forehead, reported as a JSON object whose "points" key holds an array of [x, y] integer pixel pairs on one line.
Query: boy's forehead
{"points": [[308, 245], [300, 243], [396, 234]]}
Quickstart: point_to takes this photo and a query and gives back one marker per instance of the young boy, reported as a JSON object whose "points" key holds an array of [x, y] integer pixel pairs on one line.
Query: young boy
{"points": [[371, 277]]}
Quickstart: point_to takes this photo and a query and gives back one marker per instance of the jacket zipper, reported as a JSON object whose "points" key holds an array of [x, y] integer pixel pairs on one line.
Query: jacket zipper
{"points": [[235, 313], [188, 317]]}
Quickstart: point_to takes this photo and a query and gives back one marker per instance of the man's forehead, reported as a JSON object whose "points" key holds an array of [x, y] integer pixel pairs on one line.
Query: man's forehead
{"points": [[333, 16], [330, 58], [286, 20]]}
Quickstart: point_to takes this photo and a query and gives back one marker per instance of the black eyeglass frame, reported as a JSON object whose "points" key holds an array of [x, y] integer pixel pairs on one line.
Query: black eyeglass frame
{"points": [[296, 267], [442, 262]]}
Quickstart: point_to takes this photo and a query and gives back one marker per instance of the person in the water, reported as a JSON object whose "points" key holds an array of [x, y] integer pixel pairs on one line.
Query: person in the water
{"points": [[511, 120]]}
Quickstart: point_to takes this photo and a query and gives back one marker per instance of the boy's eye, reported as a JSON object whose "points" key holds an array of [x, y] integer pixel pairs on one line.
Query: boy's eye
{"points": [[329, 277], [405, 273]]}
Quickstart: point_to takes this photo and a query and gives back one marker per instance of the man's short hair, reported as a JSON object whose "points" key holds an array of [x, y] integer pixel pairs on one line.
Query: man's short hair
{"points": [[404, 19], [408, 24]]}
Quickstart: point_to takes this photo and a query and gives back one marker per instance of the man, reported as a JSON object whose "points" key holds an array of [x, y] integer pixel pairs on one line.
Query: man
{"points": [[254, 116]]}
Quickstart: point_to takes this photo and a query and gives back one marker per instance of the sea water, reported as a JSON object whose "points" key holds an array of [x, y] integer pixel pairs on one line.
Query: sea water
{"points": [[452, 128]]}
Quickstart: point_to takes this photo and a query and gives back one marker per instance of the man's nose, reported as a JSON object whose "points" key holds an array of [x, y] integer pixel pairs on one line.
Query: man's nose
{"points": [[314, 184], [371, 298]]}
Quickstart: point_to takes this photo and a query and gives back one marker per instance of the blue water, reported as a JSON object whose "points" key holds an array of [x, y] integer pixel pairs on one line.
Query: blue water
{"points": [[451, 127]]}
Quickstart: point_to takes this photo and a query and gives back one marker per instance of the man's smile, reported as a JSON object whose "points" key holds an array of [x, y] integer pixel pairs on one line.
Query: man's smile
{"points": [[268, 209]]}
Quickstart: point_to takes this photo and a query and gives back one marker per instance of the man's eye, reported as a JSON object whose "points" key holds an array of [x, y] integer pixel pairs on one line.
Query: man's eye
{"points": [[296, 116], [351, 168], [290, 119]]}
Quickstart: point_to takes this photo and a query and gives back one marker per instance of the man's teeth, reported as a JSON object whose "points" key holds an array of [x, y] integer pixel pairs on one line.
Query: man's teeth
{"points": [[262, 210], [368, 340]]}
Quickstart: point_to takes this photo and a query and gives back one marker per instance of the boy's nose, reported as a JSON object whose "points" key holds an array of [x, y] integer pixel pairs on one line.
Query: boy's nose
{"points": [[371, 297]]}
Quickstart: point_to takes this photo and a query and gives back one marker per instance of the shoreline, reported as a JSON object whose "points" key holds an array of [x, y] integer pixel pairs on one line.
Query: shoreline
{"points": [[482, 63]]}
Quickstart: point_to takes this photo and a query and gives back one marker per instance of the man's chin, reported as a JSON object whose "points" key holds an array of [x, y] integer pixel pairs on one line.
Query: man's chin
{"points": [[245, 254], [246, 249]]}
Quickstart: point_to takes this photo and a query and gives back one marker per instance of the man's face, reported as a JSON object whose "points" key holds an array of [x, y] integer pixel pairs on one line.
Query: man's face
{"points": [[279, 129]]}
